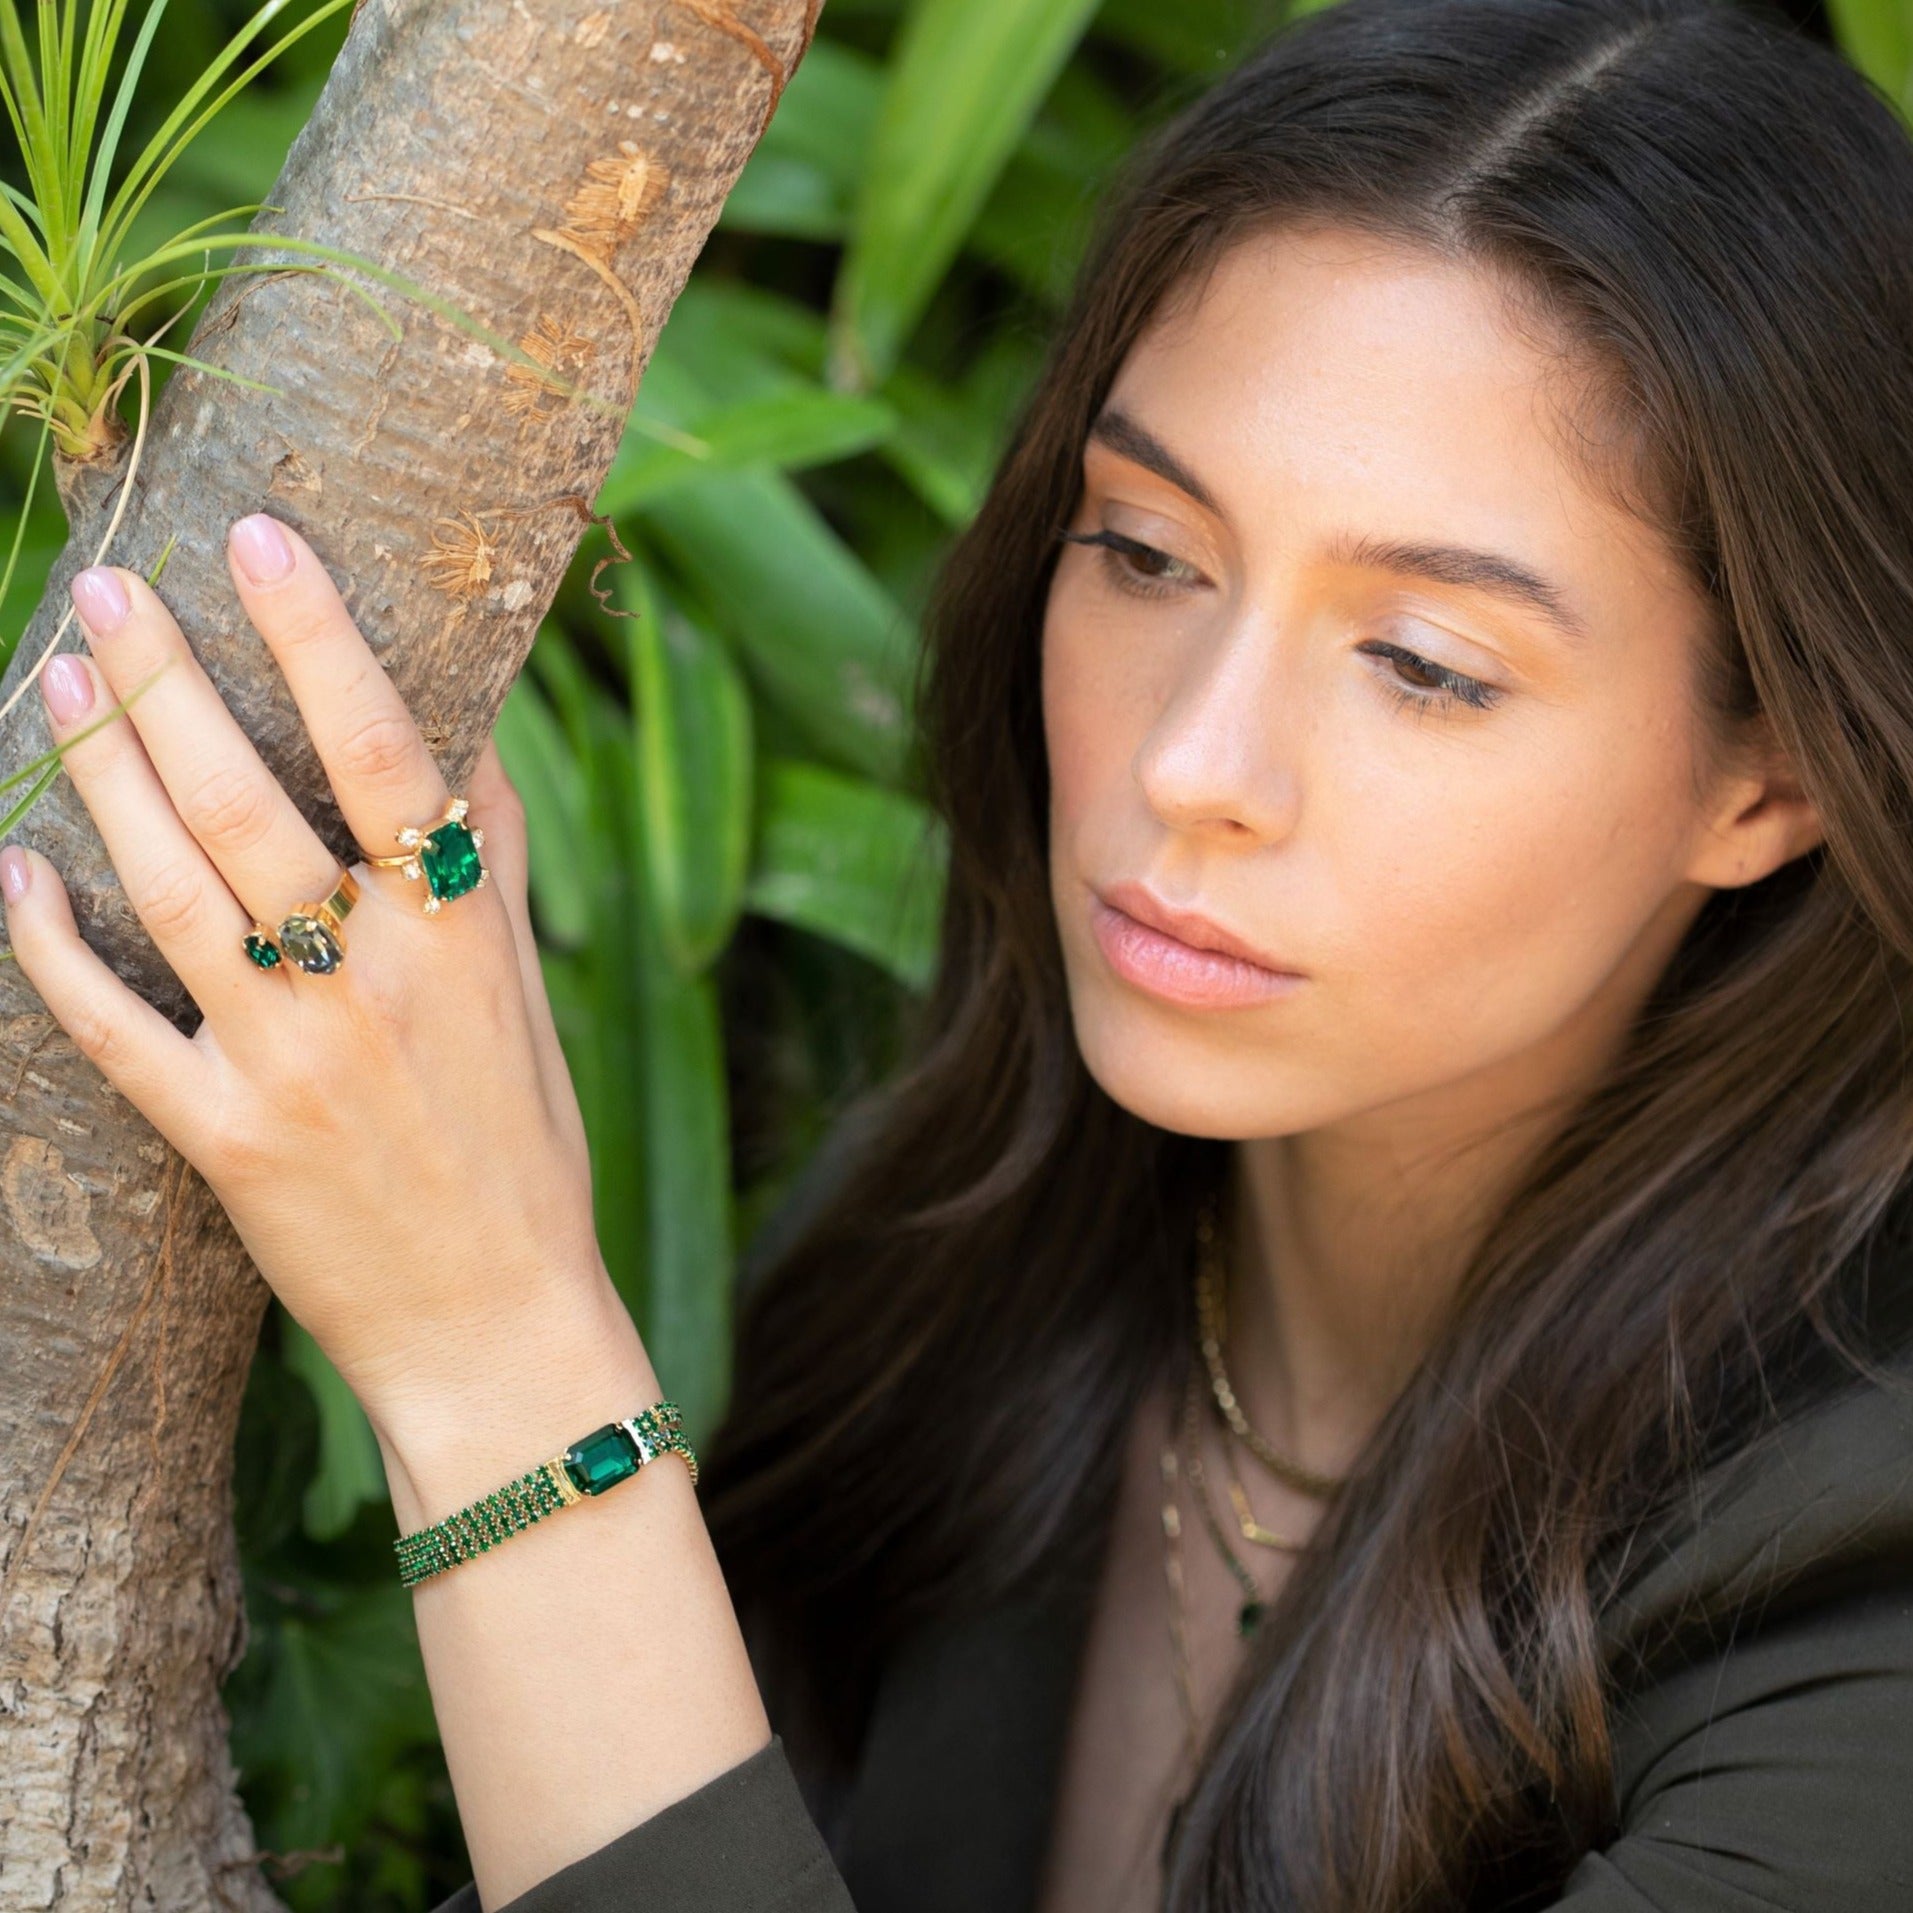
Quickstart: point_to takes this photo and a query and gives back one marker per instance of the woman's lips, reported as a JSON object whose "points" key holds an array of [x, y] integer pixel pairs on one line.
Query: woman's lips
{"points": [[1178, 972]]}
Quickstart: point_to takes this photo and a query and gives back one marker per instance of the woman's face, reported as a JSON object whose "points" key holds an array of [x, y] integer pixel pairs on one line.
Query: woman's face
{"points": [[1382, 684]]}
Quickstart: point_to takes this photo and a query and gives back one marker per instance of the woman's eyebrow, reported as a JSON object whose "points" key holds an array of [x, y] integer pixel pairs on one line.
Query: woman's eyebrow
{"points": [[1460, 565], [1465, 566], [1121, 433]]}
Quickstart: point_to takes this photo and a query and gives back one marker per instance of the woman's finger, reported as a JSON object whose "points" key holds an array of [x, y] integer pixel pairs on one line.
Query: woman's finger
{"points": [[508, 854], [506, 849], [257, 840], [494, 798], [164, 1075], [377, 762], [193, 917]]}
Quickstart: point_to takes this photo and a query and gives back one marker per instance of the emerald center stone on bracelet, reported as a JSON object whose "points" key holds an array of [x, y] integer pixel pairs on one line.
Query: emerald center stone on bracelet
{"points": [[593, 1463]]}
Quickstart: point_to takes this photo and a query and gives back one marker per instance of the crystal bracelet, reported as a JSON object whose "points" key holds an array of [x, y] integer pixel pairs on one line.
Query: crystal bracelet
{"points": [[597, 1461]]}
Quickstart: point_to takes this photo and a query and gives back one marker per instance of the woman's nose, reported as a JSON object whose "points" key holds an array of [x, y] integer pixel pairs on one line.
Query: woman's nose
{"points": [[1221, 755]]}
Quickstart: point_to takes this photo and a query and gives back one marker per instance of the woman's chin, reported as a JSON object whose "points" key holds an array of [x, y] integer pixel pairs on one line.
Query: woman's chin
{"points": [[1198, 1082]]}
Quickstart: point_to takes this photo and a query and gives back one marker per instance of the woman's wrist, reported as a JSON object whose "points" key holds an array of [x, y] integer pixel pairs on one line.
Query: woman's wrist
{"points": [[512, 1394]]}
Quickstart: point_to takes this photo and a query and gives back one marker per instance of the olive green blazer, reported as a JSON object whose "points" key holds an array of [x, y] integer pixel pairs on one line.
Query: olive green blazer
{"points": [[1761, 1660]]}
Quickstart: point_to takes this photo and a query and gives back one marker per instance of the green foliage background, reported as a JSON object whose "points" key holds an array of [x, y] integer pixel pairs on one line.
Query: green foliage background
{"points": [[735, 883]]}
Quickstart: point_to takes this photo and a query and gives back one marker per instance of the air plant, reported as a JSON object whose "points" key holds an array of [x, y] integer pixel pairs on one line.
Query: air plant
{"points": [[75, 312], [72, 305]]}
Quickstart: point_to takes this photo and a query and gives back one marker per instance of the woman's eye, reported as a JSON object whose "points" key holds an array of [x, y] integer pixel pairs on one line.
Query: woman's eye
{"points": [[1142, 570], [1146, 571], [1411, 679]]}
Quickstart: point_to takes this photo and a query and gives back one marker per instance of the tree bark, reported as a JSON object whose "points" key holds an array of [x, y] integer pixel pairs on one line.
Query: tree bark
{"points": [[553, 169]]}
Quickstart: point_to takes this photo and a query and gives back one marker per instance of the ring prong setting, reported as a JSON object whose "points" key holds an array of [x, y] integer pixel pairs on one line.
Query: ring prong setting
{"points": [[444, 854], [260, 947]]}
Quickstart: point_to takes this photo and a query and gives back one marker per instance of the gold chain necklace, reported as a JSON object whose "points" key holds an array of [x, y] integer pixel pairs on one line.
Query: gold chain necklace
{"points": [[1252, 1530], [1211, 1328], [1181, 1455], [1252, 1603], [1178, 1603]]}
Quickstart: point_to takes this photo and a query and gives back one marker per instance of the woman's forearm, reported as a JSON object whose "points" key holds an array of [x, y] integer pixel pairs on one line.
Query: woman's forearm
{"points": [[590, 1670]]}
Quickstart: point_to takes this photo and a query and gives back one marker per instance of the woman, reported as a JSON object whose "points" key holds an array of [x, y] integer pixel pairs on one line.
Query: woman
{"points": [[1426, 720]]}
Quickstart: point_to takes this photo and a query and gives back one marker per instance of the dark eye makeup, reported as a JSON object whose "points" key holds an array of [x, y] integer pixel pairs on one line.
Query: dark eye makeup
{"points": [[1133, 565], [1144, 571], [1428, 683]]}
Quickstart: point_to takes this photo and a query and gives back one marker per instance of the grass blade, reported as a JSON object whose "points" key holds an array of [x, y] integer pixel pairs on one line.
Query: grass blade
{"points": [[166, 145], [95, 166]]}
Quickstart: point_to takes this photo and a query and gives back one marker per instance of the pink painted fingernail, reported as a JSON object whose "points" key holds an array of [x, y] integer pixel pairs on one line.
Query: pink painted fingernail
{"points": [[67, 686], [99, 594], [15, 872], [261, 547]]}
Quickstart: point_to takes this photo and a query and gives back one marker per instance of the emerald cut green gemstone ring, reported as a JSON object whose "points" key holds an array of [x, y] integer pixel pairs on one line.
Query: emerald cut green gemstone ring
{"points": [[443, 852]]}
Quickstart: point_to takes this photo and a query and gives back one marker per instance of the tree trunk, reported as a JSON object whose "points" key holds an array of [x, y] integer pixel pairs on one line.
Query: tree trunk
{"points": [[552, 169]]}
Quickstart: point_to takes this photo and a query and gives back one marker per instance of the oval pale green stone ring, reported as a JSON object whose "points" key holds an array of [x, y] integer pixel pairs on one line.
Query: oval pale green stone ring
{"points": [[443, 852], [312, 938]]}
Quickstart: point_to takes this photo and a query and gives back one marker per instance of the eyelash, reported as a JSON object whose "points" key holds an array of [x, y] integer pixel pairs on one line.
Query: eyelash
{"points": [[1449, 687]]}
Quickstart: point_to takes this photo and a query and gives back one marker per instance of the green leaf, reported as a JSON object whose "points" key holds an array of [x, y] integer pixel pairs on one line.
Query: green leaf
{"points": [[859, 865], [686, 1322], [693, 717], [949, 436], [738, 340], [1877, 36], [815, 629], [783, 431], [192, 114], [651, 1076], [1034, 224], [275, 1454], [351, 1470], [801, 181], [1202, 37], [646, 1049], [965, 83], [331, 1692], [99, 163], [239, 155], [598, 1003], [769, 416]]}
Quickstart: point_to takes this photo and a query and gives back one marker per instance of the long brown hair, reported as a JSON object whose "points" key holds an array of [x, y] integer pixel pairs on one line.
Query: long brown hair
{"points": [[934, 1379]]}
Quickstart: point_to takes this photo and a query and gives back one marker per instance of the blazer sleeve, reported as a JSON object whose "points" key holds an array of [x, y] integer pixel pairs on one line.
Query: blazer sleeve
{"points": [[744, 1842], [1776, 1777]]}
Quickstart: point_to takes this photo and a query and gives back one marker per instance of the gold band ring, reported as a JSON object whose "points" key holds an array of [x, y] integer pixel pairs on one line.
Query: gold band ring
{"points": [[311, 938], [443, 852]]}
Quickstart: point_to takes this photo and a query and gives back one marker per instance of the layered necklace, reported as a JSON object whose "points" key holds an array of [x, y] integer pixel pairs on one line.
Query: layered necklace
{"points": [[1181, 1455]]}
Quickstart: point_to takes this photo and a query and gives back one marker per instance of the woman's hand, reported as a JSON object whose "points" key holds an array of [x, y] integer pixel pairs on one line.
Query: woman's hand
{"points": [[398, 1142], [400, 1147]]}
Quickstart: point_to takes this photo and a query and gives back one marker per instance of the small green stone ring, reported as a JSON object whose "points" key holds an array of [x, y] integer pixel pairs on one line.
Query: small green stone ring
{"points": [[312, 938], [443, 852]]}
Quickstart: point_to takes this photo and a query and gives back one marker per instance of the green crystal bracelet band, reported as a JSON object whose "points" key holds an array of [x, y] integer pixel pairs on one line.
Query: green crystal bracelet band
{"points": [[597, 1461]]}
